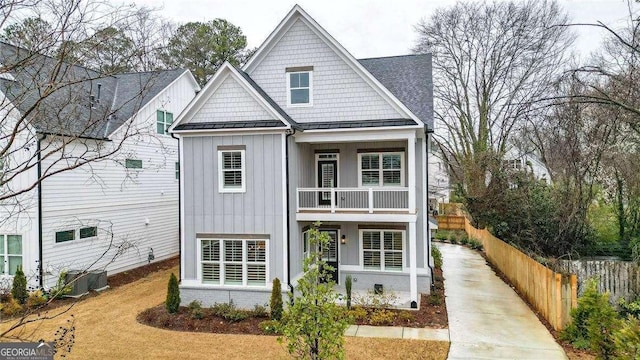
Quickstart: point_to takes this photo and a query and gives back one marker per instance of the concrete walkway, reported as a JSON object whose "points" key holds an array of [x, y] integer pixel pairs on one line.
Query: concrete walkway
{"points": [[397, 332], [487, 319]]}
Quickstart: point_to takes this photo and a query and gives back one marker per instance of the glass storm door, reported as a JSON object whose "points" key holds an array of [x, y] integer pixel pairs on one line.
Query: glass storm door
{"points": [[327, 178]]}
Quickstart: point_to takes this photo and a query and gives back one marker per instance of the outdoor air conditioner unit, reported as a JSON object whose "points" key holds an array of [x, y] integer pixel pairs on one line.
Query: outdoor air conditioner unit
{"points": [[97, 280], [78, 281]]}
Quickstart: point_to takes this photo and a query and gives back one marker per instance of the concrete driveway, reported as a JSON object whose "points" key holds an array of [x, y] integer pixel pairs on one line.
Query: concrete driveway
{"points": [[487, 319]]}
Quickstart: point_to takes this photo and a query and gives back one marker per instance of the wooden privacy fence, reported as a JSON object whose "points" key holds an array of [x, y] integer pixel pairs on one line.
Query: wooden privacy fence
{"points": [[619, 278], [451, 222], [552, 294]]}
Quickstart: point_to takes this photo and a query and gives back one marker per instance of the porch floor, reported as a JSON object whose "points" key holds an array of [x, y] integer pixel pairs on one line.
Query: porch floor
{"points": [[397, 299]]}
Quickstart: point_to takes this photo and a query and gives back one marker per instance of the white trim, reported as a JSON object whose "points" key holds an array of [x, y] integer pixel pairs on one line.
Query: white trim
{"points": [[230, 132], [413, 258], [288, 81], [356, 217], [194, 284], [298, 13], [285, 216], [426, 227], [4, 257], [404, 272], [358, 135], [381, 171], [221, 263], [210, 88], [382, 250], [411, 171], [182, 201], [243, 171]]}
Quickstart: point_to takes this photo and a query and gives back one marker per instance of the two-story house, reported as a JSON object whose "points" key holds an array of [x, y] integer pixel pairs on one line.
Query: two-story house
{"points": [[89, 177], [305, 132]]}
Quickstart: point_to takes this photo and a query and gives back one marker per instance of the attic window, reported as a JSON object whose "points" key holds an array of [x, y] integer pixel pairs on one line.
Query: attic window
{"points": [[164, 119], [300, 86]]}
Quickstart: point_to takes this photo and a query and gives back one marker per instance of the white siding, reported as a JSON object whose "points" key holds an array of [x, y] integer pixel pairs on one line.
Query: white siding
{"points": [[230, 102], [339, 93], [140, 207]]}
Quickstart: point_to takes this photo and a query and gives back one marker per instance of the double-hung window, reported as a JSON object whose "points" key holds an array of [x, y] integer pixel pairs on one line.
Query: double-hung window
{"points": [[234, 262], [382, 249], [10, 253], [300, 86], [164, 119], [381, 169], [231, 170]]}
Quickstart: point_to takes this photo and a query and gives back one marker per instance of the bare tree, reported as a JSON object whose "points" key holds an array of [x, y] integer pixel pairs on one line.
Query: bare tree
{"points": [[491, 63]]}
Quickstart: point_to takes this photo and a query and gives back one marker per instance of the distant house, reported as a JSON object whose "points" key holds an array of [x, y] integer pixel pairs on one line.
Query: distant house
{"points": [[517, 159], [120, 212], [305, 132], [439, 183]]}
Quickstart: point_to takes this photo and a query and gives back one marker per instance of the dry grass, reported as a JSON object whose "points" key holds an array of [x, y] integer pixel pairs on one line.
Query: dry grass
{"points": [[106, 328]]}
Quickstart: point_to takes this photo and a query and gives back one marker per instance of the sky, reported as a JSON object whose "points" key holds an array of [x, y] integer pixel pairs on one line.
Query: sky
{"points": [[367, 28]]}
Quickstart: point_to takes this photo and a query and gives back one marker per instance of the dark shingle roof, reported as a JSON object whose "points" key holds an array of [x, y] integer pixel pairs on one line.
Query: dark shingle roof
{"points": [[409, 78], [356, 124], [268, 98], [231, 125], [59, 98]]}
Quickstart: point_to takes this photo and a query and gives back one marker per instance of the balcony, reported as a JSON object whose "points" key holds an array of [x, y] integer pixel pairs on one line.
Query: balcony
{"points": [[353, 200]]}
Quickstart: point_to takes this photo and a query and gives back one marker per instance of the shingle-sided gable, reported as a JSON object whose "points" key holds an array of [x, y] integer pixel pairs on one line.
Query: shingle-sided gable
{"points": [[339, 92], [231, 102]]}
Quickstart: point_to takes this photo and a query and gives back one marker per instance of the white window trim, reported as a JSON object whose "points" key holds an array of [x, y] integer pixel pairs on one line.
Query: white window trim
{"points": [[243, 170], [288, 81], [5, 256], [164, 122], [381, 170], [382, 267], [221, 263]]}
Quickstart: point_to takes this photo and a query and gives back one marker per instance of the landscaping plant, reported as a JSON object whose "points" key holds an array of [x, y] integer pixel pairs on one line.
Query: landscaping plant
{"points": [[437, 256], [313, 326], [195, 307], [276, 300], [19, 288], [627, 339], [172, 303], [348, 283]]}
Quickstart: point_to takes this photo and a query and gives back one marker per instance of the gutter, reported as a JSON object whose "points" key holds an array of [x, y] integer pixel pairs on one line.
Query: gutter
{"points": [[179, 213], [428, 133], [39, 170], [289, 132]]}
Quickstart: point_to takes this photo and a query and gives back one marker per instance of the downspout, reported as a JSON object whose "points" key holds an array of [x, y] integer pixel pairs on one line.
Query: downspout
{"points": [[39, 171], [427, 144], [179, 213], [289, 132]]}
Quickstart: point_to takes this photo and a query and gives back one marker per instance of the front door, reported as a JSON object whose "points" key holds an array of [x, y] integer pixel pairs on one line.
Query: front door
{"points": [[330, 253], [327, 178]]}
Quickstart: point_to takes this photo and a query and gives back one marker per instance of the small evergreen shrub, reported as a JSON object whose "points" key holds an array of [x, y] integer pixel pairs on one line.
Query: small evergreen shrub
{"points": [[61, 289], [260, 311], [195, 308], [464, 239], [270, 327], [19, 288], [437, 257], [276, 300], [628, 309], [453, 238], [36, 298], [348, 283], [357, 313], [382, 317], [406, 316], [435, 299], [441, 236], [627, 339], [475, 244], [229, 312], [172, 304]]}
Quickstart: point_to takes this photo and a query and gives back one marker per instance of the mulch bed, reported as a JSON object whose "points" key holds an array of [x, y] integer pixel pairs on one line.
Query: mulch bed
{"points": [[132, 275], [430, 315]]}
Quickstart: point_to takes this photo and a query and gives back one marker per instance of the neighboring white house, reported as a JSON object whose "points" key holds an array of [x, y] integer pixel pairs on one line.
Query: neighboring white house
{"points": [[305, 132], [439, 184], [520, 160], [121, 212]]}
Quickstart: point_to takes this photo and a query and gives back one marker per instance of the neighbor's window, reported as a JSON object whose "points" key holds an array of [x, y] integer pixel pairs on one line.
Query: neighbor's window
{"points": [[164, 119], [231, 171], [66, 235], [234, 262], [177, 171], [382, 249], [133, 164], [10, 253], [381, 169], [88, 232], [299, 88]]}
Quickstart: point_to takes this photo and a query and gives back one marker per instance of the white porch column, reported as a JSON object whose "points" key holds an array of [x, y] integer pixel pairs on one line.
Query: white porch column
{"points": [[411, 173], [413, 271]]}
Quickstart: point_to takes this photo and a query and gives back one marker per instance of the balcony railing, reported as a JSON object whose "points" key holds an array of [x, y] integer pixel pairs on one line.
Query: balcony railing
{"points": [[353, 199]]}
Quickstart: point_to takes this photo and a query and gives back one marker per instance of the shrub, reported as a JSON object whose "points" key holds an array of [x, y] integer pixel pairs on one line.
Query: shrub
{"points": [[475, 244], [437, 256], [464, 239], [435, 299], [276, 300], [36, 298], [19, 288], [593, 322], [195, 308], [172, 303], [627, 339], [441, 235], [453, 238], [382, 317], [406, 316], [348, 283], [270, 327], [628, 309], [385, 300], [357, 313], [62, 288], [229, 312], [11, 307], [260, 311]]}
